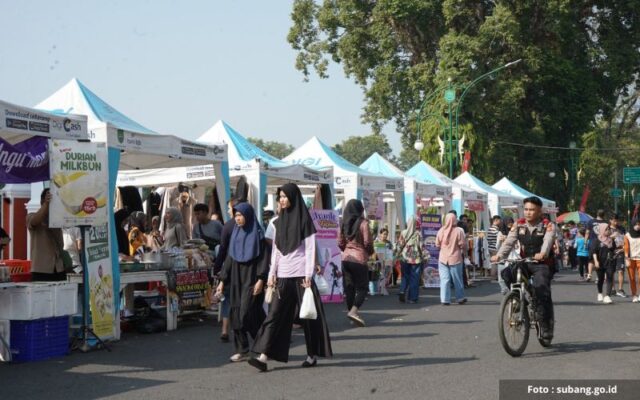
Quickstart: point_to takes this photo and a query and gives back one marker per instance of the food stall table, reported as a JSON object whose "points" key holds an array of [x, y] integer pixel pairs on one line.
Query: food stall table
{"points": [[127, 278]]}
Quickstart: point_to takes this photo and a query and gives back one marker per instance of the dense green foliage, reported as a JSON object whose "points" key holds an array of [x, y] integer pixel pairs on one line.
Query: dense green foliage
{"points": [[356, 149], [580, 60]]}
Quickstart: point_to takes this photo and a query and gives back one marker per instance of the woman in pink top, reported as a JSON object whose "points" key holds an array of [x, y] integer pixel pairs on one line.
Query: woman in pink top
{"points": [[452, 243], [356, 243], [293, 261]]}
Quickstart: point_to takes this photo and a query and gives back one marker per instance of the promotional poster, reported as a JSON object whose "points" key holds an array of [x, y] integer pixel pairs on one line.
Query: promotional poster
{"points": [[79, 183], [329, 257], [100, 281], [429, 226]]}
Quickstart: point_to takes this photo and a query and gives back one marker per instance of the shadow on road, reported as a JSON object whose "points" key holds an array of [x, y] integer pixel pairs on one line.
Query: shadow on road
{"points": [[582, 347]]}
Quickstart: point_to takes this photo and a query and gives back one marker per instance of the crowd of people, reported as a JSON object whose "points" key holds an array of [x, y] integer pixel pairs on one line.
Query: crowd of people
{"points": [[274, 258]]}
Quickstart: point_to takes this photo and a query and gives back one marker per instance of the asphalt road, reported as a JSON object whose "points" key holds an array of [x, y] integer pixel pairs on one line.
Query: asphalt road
{"points": [[406, 351]]}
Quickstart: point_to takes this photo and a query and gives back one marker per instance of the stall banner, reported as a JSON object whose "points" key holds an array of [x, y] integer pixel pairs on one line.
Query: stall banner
{"points": [[79, 188], [100, 281], [430, 224], [191, 288], [329, 257], [373, 204], [24, 162]]}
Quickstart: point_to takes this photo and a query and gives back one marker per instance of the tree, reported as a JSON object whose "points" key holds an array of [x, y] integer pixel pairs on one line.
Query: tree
{"points": [[356, 149], [578, 57], [276, 149]]}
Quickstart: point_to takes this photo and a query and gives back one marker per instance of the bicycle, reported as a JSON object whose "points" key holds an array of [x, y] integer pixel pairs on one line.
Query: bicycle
{"points": [[517, 311]]}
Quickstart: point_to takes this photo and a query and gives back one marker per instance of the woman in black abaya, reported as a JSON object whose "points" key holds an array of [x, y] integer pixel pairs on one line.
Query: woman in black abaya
{"points": [[245, 270]]}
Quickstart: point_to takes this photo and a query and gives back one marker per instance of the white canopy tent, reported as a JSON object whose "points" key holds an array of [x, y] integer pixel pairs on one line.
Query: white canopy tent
{"points": [[463, 196], [507, 186], [498, 200], [349, 179], [132, 146], [260, 168], [415, 190]]}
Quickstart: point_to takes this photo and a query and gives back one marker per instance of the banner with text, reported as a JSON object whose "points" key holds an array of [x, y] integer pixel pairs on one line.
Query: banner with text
{"points": [[100, 281], [79, 188], [24, 162], [191, 287], [430, 224], [327, 224]]}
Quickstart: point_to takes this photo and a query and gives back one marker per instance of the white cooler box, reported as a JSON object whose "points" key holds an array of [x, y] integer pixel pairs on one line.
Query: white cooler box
{"points": [[28, 301], [65, 299]]}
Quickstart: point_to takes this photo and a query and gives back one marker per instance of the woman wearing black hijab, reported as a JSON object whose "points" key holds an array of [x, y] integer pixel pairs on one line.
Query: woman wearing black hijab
{"points": [[356, 243], [120, 217], [293, 261], [245, 271]]}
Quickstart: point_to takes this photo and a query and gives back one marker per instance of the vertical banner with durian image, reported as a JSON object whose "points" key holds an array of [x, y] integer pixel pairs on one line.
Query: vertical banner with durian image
{"points": [[79, 183]]}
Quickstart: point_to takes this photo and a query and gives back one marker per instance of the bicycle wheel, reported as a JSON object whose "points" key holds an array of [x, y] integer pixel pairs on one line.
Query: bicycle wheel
{"points": [[513, 330]]}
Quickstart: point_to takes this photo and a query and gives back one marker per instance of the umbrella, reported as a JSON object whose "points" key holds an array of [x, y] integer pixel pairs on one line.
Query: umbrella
{"points": [[576, 216]]}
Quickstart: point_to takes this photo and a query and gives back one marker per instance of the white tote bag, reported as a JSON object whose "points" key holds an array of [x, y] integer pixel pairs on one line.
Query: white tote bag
{"points": [[308, 307]]}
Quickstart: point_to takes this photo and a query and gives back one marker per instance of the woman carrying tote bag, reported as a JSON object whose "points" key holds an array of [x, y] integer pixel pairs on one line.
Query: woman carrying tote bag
{"points": [[293, 262]]}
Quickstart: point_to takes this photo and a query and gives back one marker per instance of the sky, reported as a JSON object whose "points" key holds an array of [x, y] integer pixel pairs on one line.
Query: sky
{"points": [[177, 67]]}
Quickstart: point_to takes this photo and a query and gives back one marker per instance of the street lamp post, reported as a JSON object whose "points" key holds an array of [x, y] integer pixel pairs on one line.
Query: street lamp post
{"points": [[450, 97], [572, 177]]}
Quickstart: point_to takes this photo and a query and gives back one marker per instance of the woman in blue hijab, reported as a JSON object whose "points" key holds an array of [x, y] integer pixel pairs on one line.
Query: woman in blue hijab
{"points": [[245, 270]]}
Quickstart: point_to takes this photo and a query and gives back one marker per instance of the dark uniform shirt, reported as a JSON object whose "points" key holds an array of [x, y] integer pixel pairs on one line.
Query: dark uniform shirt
{"points": [[548, 232]]}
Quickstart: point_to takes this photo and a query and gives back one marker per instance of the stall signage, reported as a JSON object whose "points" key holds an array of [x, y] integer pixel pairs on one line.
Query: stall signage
{"points": [[79, 183], [191, 288], [100, 280], [24, 162], [327, 224], [475, 205], [430, 224]]}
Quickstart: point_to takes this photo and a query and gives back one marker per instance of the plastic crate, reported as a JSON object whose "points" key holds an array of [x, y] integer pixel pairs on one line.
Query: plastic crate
{"points": [[65, 299], [39, 339], [21, 277], [18, 266]]}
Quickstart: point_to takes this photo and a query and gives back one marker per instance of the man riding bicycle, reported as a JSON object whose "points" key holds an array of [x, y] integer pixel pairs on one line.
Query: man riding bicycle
{"points": [[536, 237]]}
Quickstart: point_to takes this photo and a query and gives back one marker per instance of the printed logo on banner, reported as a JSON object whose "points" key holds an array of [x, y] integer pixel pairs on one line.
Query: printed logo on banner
{"points": [[217, 150], [17, 124], [120, 136]]}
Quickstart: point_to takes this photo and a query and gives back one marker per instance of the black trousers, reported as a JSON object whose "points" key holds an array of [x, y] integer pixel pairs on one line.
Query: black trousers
{"points": [[542, 287], [274, 336], [356, 283], [606, 270], [241, 340], [573, 257], [583, 265]]}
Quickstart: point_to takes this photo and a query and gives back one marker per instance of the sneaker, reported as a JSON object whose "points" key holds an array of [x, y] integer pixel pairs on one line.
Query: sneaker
{"points": [[589, 278], [239, 357], [600, 297], [621, 293], [356, 319], [607, 300], [634, 299]]}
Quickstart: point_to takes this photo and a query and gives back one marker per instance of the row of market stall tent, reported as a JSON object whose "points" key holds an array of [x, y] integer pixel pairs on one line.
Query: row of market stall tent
{"points": [[139, 156]]}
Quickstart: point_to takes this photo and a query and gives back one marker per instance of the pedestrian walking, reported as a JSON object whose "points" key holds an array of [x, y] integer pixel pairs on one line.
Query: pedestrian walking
{"points": [[356, 243], [412, 258], [245, 271], [632, 257], [617, 234], [604, 260], [452, 243], [293, 260], [581, 244]]}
